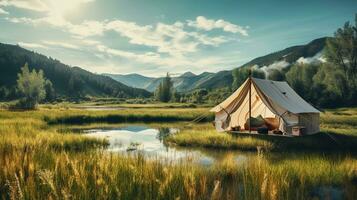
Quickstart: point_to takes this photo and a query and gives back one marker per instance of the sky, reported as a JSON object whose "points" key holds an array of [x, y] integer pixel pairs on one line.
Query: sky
{"points": [[152, 37]]}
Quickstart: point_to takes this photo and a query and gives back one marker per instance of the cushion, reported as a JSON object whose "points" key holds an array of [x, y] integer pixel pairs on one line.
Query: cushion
{"points": [[272, 123]]}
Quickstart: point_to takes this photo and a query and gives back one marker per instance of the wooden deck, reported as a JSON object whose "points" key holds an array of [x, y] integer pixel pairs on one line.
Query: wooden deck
{"points": [[255, 133]]}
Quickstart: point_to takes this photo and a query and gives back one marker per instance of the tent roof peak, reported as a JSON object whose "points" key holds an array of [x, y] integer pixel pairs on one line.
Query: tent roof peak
{"points": [[278, 92]]}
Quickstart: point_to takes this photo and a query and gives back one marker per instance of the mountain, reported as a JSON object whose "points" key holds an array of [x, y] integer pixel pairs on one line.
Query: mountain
{"points": [[279, 60], [133, 80], [67, 81], [189, 81], [188, 74], [185, 82]]}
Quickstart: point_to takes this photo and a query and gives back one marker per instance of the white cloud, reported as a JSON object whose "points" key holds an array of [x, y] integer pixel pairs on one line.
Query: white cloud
{"points": [[43, 5], [208, 24], [148, 57], [35, 5], [3, 12], [167, 38], [90, 42], [32, 45], [23, 20], [50, 20], [87, 28], [61, 44], [165, 63]]}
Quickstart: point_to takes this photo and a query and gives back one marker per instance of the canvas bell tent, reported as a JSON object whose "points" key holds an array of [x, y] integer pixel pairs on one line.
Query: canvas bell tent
{"points": [[273, 102]]}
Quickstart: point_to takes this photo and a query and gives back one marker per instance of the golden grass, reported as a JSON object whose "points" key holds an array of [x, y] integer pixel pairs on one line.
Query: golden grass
{"points": [[24, 131], [211, 139], [37, 174], [39, 162]]}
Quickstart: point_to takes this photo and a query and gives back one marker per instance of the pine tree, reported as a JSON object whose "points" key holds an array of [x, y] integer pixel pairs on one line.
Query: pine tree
{"points": [[50, 92], [164, 91]]}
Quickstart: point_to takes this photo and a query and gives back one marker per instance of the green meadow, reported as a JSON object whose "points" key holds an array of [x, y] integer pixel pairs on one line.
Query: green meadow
{"points": [[39, 160]]}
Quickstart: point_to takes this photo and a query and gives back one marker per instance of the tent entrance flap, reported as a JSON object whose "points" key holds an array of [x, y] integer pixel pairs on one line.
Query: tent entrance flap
{"points": [[240, 116]]}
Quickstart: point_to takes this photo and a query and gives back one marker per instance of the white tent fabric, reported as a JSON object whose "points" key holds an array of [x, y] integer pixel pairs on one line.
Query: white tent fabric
{"points": [[270, 99], [284, 95]]}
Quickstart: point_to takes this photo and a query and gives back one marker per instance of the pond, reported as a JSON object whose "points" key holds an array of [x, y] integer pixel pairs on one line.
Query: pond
{"points": [[150, 141]]}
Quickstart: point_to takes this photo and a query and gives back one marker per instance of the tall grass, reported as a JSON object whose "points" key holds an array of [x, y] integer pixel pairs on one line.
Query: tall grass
{"points": [[211, 139], [76, 116], [97, 175], [19, 133], [39, 162]]}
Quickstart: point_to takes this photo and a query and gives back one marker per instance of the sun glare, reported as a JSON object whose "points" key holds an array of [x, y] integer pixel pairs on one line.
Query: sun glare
{"points": [[63, 7]]}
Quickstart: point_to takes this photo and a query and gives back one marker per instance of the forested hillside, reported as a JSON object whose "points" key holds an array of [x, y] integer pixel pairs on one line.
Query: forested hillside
{"points": [[67, 81]]}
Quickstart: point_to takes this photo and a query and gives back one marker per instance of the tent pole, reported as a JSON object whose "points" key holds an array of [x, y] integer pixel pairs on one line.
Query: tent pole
{"points": [[250, 100]]}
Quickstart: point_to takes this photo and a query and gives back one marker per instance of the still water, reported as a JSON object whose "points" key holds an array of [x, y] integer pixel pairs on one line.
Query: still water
{"points": [[148, 140]]}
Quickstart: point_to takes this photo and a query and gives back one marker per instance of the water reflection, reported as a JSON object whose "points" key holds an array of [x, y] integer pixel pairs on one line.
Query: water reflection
{"points": [[148, 140]]}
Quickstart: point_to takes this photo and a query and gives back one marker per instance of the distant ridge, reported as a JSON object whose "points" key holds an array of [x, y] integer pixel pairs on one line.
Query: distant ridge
{"points": [[133, 80], [188, 74], [189, 81], [185, 82]]}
